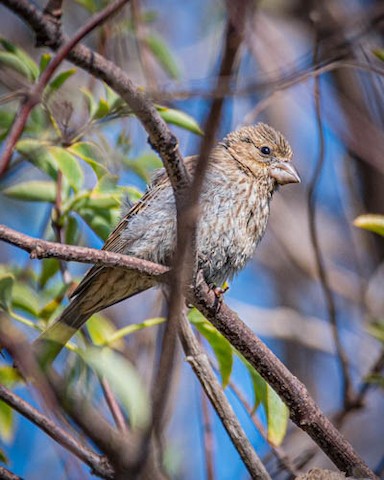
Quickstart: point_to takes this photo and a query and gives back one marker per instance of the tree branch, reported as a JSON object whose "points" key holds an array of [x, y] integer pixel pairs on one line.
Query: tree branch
{"points": [[98, 463], [160, 137], [202, 368], [304, 411]]}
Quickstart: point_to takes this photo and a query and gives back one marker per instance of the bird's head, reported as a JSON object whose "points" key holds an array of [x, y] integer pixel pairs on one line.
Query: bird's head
{"points": [[264, 152]]}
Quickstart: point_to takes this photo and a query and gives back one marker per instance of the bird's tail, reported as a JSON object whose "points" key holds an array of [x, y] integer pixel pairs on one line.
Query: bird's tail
{"points": [[100, 289], [49, 344]]}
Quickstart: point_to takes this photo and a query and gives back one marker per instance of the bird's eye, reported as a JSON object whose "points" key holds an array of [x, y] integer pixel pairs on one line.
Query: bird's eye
{"points": [[265, 150]]}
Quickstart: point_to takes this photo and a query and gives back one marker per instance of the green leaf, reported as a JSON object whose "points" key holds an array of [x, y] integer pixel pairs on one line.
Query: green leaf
{"points": [[371, 222], [6, 286], [44, 61], [91, 102], [32, 191], [59, 80], [259, 385], [69, 166], [23, 57], [6, 422], [220, 345], [89, 153], [277, 417], [379, 53], [37, 153], [181, 119], [3, 457], [9, 376], [72, 231], [6, 120], [25, 298], [100, 329], [124, 381], [162, 54], [49, 268], [11, 61], [377, 330], [276, 411], [123, 332], [143, 165], [100, 221], [102, 109]]}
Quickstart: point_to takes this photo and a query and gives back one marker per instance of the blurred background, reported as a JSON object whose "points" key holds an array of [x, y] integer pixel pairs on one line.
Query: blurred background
{"points": [[313, 70]]}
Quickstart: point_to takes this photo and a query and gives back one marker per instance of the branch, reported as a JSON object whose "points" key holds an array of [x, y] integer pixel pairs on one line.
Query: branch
{"points": [[34, 96], [43, 249], [203, 370], [160, 137], [304, 412], [323, 275], [99, 464]]}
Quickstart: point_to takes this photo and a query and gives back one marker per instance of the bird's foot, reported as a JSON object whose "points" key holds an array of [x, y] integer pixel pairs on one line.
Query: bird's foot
{"points": [[219, 294]]}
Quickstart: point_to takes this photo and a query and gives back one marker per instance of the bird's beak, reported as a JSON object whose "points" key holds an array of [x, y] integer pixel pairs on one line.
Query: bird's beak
{"points": [[284, 172]]}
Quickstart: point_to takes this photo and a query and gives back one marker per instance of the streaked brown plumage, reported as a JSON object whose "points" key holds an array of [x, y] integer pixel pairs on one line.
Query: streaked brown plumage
{"points": [[244, 170]]}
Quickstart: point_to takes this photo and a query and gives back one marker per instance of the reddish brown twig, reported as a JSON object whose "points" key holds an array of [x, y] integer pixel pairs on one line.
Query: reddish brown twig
{"points": [[34, 96]]}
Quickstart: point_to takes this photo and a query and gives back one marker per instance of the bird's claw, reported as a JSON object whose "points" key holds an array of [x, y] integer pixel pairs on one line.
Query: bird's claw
{"points": [[219, 294]]}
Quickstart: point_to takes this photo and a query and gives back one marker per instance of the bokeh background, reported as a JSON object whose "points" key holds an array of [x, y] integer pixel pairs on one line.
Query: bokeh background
{"points": [[287, 45]]}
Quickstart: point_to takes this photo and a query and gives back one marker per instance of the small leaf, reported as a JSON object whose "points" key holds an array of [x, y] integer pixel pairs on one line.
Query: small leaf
{"points": [[371, 222], [37, 153], [3, 457], [143, 165], [33, 191], [44, 61], [129, 329], [277, 417], [102, 109], [91, 102], [88, 152], [220, 345], [23, 56], [6, 286], [59, 80], [100, 329], [124, 381], [100, 221], [11, 61], [49, 267], [259, 385], [6, 422], [181, 119], [162, 54], [379, 53], [24, 298], [69, 166], [72, 231], [9, 376]]}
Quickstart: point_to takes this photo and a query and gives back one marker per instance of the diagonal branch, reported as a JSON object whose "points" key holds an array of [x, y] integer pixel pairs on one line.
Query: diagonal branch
{"points": [[34, 96], [98, 463], [199, 362], [160, 137]]}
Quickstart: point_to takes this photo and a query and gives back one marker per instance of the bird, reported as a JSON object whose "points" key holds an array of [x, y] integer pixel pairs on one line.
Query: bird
{"points": [[244, 170]]}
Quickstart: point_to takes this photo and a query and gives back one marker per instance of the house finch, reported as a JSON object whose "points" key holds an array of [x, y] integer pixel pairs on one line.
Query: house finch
{"points": [[244, 170]]}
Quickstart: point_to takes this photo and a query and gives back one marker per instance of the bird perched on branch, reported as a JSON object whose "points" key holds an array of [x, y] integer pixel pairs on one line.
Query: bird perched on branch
{"points": [[244, 170]]}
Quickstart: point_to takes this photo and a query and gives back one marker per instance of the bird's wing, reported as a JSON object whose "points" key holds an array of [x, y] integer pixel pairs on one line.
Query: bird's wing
{"points": [[115, 242]]}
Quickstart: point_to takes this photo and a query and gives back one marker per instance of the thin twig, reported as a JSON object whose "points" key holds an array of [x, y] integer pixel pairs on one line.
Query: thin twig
{"points": [[198, 360], [278, 452], [113, 405], [323, 274], [5, 474], [34, 96], [98, 463], [187, 217]]}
